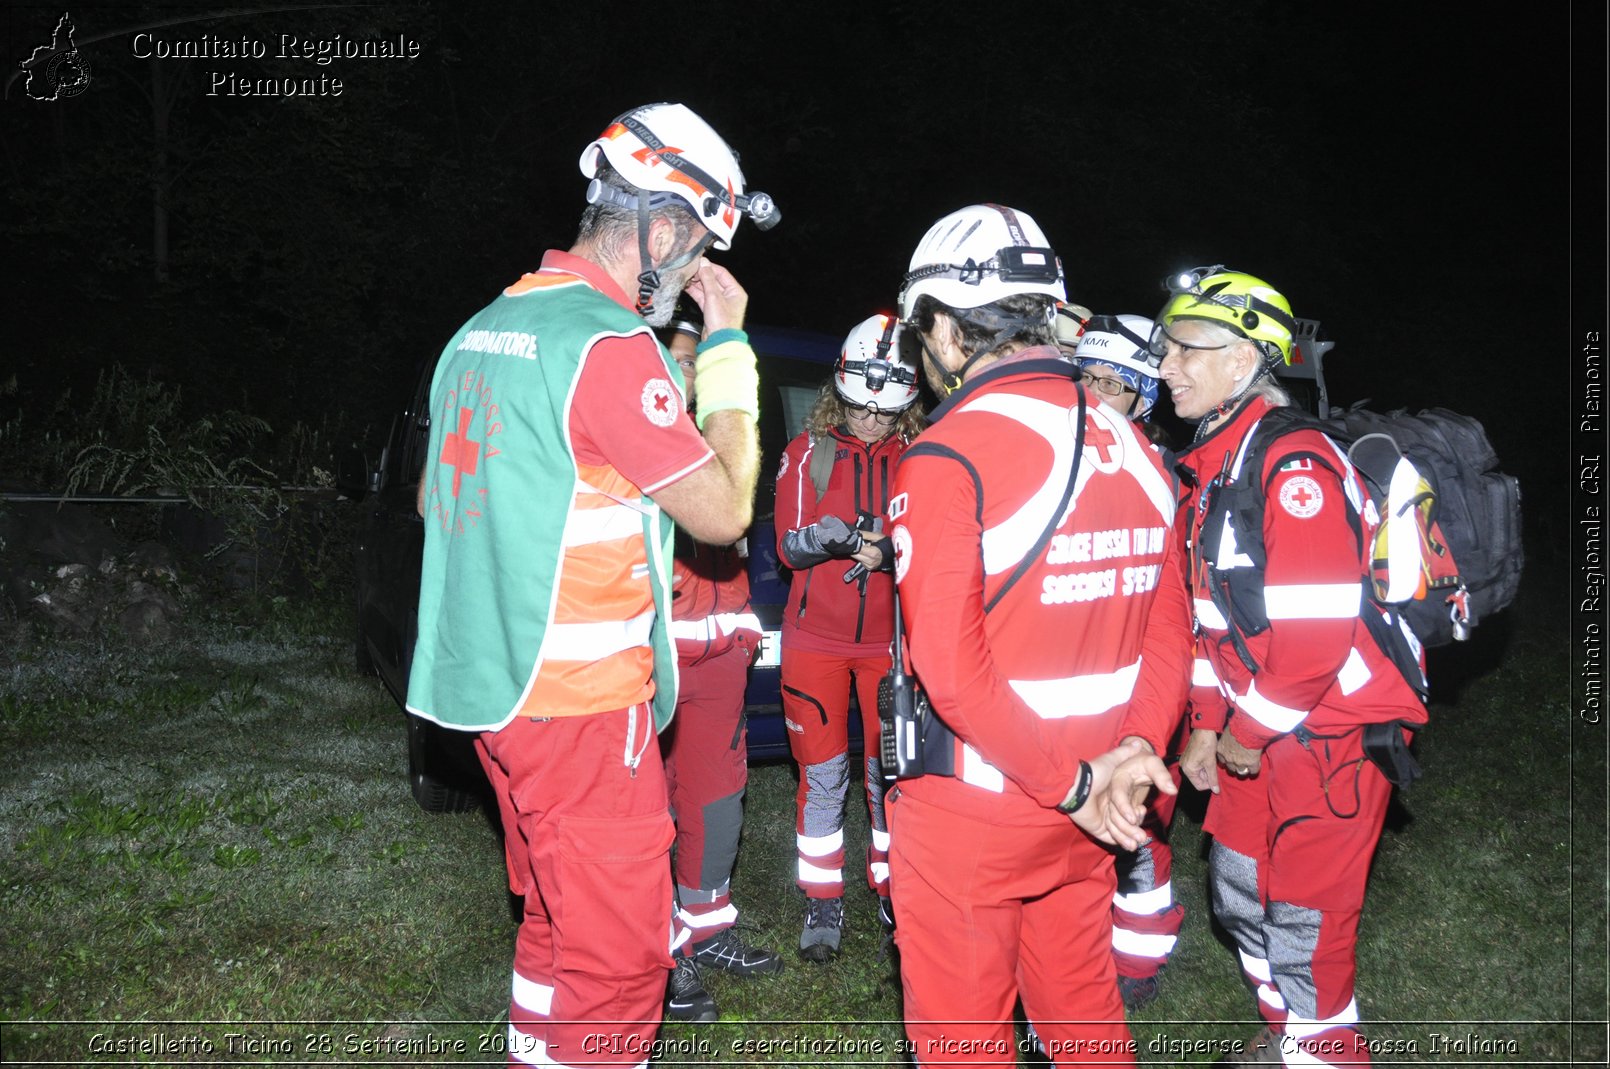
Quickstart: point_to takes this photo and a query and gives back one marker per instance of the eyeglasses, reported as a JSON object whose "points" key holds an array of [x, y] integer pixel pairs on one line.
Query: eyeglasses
{"points": [[1104, 384], [885, 419]]}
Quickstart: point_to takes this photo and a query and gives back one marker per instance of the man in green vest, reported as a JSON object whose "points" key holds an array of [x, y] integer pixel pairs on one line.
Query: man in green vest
{"points": [[560, 454]]}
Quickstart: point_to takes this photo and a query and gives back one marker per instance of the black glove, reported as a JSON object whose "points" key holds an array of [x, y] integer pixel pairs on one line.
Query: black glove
{"points": [[823, 540]]}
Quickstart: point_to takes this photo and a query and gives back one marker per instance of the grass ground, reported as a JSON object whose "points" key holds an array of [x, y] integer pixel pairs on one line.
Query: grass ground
{"points": [[208, 852]]}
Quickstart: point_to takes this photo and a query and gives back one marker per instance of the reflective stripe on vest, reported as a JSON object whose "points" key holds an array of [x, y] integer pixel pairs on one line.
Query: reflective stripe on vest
{"points": [[1086, 695]]}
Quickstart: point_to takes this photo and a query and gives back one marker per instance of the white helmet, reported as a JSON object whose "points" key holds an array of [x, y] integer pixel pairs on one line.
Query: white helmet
{"points": [[1123, 343], [1070, 324], [978, 255], [671, 153], [869, 371]]}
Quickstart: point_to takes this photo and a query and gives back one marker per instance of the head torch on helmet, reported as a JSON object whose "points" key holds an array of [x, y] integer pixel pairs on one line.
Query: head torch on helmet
{"points": [[758, 206], [1246, 305]]}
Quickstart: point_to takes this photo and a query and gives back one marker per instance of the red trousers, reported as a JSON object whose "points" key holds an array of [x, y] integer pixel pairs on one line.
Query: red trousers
{"points": [[586, 834], [1291, 855], [707, 771], [990, 912], [816, 711]]}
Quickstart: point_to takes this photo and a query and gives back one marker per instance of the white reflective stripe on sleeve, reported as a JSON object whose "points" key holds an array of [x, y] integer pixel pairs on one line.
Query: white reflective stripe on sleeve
{"points": [[532, 996], [710, 627], [1142, 946], [595, 641], [1087, 695], [588, 526], [819, 845], [1354, 674], [880, 871], [880, 840], [1275, 717], [726, 915], [1312, 601], [1209, 616], [1202, 673], [692, 630], [979, 772], [728, 622], [1145, 903], [809, 873], [1300, 1027], [1257, 968]]}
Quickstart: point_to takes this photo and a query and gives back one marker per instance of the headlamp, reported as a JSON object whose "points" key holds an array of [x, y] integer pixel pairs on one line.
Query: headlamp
{"points": [[759, 207], [879, 373], [1190, 280], [1015, 263]]}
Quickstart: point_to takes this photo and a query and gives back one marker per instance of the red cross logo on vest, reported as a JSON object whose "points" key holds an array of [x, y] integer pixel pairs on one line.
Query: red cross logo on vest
{"points": [[460, 452], [1102, 446]]}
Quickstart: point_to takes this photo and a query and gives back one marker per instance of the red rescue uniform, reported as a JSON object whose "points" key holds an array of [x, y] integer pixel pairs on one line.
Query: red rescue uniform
{"points": [[1293, 843], [1089, 643], [706, 756], [834, 633]]}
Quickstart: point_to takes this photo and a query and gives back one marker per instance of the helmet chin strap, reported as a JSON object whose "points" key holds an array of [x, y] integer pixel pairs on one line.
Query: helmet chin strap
{"points": [[648, 280], [1005, 328], [1231, 403]]}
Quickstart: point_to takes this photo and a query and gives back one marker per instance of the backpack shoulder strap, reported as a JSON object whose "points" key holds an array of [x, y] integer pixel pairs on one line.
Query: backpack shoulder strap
{"points": [[823, 449]]}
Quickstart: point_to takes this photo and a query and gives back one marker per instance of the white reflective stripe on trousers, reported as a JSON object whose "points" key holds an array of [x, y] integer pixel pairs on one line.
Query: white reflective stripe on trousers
{"points": [[1142, 945]]}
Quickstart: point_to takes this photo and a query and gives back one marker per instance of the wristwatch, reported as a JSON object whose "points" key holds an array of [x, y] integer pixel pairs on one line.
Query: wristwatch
{"points": [[1081, 790]]}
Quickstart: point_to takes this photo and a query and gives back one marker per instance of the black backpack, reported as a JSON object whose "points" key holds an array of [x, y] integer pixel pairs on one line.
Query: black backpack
{"points": [[1434, 483]]}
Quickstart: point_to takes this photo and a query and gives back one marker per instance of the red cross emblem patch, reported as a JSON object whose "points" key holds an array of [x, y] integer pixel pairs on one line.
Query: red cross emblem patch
{"points": [[1302, 497], [660, 402]]}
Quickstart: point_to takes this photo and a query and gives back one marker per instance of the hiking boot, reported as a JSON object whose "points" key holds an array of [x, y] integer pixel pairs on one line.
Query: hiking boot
{"points": [[1137, 991], [886, 914], [726, 950], [824, 922], [685, 996], [1263, 1050]]}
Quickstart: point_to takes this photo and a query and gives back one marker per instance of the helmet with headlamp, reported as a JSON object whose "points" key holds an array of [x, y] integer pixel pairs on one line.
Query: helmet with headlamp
{"points": [[869, 372], [1247, 305], [669, 153], [1122, 343], [977, 256]]}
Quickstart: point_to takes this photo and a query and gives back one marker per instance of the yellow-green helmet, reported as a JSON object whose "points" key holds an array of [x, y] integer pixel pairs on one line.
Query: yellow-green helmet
{"points": [[1247, 305]]}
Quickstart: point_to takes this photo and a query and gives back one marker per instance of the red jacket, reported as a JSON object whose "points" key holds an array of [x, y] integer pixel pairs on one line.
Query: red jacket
{"points": [[826, 614], [1318, 665], [1092, 642], [710, 610]]}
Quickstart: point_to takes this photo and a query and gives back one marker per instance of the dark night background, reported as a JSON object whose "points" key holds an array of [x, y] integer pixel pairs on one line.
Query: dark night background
{"points": [[1400, 171]]}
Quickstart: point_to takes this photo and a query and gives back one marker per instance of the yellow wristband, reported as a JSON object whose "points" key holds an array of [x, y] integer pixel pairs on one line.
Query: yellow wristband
{"points": [[727, 380]]}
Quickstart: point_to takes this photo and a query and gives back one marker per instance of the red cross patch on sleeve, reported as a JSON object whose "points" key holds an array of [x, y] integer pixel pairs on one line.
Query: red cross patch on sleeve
{"points": [[660, 402], [1302, 497]]}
